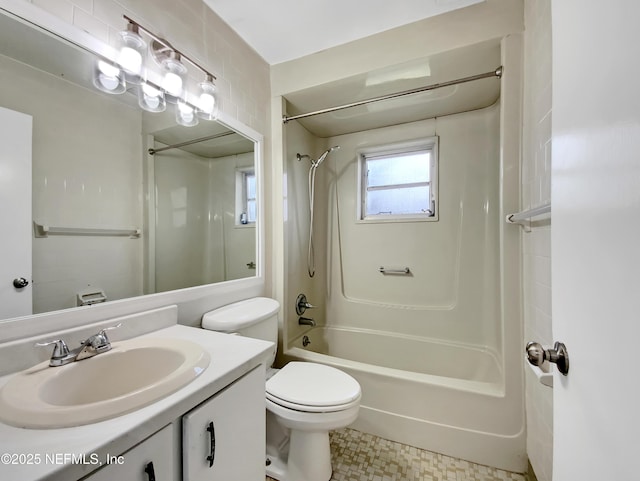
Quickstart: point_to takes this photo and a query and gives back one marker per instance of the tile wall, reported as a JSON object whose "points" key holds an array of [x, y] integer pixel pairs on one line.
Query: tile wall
{"points": [[536, 190], [192, 27]]}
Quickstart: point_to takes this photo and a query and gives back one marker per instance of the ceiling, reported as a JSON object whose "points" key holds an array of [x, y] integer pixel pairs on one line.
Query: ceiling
{"points": [[222, 141], [451, 65], [282, 30]]}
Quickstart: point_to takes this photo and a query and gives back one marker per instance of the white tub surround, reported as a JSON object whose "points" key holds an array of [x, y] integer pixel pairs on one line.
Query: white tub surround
{"points": [[72, 453], [437, 347]]}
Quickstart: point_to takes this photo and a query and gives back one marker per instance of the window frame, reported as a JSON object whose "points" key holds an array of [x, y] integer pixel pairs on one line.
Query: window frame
{"points": [[398, 148], [242, 173]]}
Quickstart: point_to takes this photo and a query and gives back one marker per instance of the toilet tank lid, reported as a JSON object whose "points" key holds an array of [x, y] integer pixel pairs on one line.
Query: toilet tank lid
{"points": [[236, 316]]}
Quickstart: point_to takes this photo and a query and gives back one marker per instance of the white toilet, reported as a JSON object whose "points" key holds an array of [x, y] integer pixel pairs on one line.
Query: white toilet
{"points": [[304, 400]]}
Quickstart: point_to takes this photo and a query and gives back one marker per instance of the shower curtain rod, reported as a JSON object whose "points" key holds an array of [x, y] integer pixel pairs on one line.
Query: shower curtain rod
{"points": [[189, 142], [495, 73]]}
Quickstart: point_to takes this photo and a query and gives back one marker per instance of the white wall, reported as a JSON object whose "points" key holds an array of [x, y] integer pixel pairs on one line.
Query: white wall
{"points": [[454, 290], [81, 178], [297, 280], [536, 188], [183, 233]]}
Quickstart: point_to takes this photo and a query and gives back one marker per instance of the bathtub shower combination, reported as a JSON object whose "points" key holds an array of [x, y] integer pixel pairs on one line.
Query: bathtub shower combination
{"points": [[435, 344]]}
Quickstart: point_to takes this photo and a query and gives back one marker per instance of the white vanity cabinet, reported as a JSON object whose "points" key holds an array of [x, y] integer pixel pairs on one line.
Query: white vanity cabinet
{"points": [[224, 437], [167, 440], [151, 460]]}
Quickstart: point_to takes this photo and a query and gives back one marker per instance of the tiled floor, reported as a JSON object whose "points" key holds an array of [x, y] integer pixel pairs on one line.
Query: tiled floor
{"points": [[358, 456]]}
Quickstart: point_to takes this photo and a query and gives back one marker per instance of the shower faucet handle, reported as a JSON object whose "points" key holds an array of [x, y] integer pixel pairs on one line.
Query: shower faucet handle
{"points": [[302, 304]]}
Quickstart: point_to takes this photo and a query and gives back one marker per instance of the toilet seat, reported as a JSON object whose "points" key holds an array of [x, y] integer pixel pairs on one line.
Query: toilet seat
{"points": [[312, 387]]}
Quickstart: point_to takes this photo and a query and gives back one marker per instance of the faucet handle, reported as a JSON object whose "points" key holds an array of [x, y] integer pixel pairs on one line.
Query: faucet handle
{"points": [[103, 332], [100, 342], [60, 348], [302, 304]]}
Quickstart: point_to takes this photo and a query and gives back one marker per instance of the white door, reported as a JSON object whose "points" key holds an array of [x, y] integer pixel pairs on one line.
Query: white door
{"points": [[596, 238], [15, 213]]}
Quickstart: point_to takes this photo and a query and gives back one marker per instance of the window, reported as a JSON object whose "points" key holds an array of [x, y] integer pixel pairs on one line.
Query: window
{"points": [[246, 204], [399, 182]]}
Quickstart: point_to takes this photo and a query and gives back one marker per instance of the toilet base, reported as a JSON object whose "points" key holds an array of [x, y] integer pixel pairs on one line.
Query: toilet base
{"points": [[306, 457]]}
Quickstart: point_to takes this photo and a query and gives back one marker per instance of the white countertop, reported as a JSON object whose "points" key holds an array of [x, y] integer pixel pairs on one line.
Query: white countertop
{"points": [[46, 449]]}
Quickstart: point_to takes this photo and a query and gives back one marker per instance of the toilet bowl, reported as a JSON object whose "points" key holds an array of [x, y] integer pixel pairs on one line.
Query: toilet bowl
{"points": [[309, 400], [304, 400]]}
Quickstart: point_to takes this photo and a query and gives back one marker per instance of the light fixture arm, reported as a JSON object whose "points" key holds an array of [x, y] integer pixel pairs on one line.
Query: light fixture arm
{"points": [[164, 42]]}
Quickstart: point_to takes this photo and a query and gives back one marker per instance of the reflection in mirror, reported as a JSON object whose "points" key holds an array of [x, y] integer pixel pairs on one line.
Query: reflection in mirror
{"points": [[91, 170], [200, 222]]}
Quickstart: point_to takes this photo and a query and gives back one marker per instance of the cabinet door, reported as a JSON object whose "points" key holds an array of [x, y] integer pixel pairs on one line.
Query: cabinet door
{"points": [[151, 460], [223, 439]]}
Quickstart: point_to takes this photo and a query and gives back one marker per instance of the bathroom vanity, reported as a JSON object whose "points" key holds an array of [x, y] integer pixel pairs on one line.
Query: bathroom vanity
{"points": [[211, 428]]}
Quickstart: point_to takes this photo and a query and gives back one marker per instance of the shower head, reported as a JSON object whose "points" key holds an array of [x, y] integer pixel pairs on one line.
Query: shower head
{"points": [[324, 154]]}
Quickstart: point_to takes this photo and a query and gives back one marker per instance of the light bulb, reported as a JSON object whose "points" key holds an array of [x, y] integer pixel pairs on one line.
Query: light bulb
{"points": [[151, 99], [130, 60], [174, 77], [132, 49], [185, 114], [108, 78], [172, 83], [207, 104]]}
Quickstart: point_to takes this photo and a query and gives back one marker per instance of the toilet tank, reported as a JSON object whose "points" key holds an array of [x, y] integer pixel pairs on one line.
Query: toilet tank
{"points": [[256, 317]]}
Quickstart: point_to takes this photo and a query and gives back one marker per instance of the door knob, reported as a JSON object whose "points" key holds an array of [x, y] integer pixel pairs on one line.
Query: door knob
{"points": [[20, 282], [536, 355]]}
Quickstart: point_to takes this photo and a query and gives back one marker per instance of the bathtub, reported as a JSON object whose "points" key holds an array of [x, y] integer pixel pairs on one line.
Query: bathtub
{"points": [[455, 404]]}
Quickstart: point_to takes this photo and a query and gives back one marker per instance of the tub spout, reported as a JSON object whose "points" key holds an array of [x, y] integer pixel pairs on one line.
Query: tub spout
{"points": [[306, 321]]}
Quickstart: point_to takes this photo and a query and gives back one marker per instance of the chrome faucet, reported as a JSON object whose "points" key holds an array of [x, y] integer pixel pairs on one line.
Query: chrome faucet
{"points": [[94, 345], [306, 321]]}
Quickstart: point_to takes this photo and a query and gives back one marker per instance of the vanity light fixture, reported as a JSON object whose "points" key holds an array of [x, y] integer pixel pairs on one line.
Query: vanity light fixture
{"points": [[159, 77], [131, 53], [174, 76], [207, 107], [109, 78]]}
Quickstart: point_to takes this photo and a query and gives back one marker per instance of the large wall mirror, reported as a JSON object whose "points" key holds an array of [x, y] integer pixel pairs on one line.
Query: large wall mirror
{"points": [[185, 215]]}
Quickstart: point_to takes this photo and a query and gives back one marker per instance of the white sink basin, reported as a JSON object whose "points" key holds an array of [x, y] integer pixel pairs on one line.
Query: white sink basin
{"points": [[132, 375]]}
